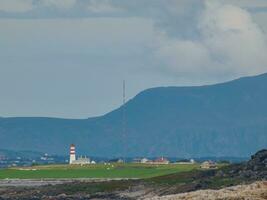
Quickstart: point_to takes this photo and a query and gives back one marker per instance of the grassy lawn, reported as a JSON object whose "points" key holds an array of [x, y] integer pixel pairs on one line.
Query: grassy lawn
{"points": [[95, 171]]}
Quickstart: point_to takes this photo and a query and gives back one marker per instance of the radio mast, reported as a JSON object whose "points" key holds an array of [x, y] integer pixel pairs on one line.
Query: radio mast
{"points": [[124, 95], [124, 138]]}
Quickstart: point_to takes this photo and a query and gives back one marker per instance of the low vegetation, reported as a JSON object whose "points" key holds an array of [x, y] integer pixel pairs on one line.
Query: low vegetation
{"points": [[95, 171]]}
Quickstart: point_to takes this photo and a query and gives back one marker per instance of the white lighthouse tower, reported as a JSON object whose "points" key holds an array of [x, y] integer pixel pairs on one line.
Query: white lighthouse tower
{"points": [[72, 153]]}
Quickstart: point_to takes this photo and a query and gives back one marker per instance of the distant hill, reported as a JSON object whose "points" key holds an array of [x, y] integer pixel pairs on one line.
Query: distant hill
{"points": [[9, 154], [228, 119]]}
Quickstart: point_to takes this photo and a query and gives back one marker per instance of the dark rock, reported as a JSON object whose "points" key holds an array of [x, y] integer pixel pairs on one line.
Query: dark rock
{"points": [[254, 169], [258, 160]]}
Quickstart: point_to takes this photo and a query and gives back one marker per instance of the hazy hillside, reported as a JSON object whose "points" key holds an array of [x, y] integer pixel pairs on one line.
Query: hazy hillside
{"points": [[22, 154], [228, 119]]}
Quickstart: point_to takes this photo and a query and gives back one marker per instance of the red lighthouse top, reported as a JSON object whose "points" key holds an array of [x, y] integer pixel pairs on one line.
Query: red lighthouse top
{"points": [[72, 149]]}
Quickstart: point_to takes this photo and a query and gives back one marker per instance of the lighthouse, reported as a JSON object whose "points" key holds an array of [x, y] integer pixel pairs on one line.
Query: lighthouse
{"points": [[72, 153]]}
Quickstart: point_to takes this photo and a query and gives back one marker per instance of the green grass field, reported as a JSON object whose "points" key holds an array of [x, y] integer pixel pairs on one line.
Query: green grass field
{"points": [[94, 171]]}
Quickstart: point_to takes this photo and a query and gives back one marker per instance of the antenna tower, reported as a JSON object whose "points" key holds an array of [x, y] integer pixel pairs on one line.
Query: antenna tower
{"points": [[124, 121]]}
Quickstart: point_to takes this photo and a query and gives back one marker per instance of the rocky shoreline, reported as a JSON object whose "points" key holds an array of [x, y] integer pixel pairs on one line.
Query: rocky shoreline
{"points": [[51, 181], [254, 191]]}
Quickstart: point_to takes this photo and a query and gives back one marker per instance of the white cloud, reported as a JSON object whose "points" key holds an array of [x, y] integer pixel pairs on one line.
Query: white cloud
{"points": [[246, 3], [102, 6], [16, 5], [231, 44], [182, 56], [230, 32], [62, 4], [197, 38]]}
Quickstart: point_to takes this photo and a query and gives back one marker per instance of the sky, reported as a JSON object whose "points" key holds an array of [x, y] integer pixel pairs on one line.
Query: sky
{"points": [[68, 58]]}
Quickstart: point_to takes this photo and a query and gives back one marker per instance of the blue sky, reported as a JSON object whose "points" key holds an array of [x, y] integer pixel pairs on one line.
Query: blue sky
{"points": [[68, 58]]}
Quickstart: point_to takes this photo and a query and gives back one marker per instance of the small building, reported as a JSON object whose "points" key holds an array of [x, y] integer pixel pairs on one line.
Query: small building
{"points": [[141, 160], [145, 160], [161, 160], [208, 165], [81, 161]]}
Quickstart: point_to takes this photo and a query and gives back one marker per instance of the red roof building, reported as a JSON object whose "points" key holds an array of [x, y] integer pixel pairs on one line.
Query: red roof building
{"points": [[161, 160]]}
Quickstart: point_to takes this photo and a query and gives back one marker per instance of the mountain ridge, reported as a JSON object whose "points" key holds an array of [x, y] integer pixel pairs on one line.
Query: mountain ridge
{"points": [[148, 89], [225, 119]]}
